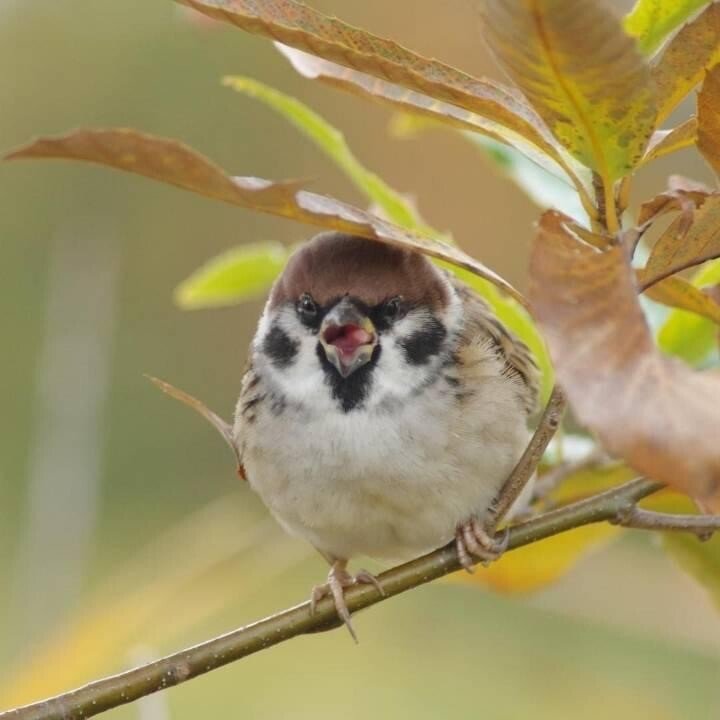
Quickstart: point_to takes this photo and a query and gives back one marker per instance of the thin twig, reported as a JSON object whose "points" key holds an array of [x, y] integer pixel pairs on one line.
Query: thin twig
{"points": [[520, 476], [701, 525], [114, 691]]}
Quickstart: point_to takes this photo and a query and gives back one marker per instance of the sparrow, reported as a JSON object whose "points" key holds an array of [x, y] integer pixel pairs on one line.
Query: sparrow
{"points": [[382, 408]]}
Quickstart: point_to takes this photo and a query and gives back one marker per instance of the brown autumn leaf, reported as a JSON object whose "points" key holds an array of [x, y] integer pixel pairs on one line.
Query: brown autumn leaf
{"points": [[664, 142], [536, 142], [687, 242], [652, 411], [581, 73], [174, 163], [708, 101], [682, 195], [681, 67], [299, 26], [677, 292]]}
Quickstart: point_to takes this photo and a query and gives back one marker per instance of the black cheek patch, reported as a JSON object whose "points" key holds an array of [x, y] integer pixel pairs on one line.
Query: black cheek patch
{"points": [[280, 347], [424, 343]]}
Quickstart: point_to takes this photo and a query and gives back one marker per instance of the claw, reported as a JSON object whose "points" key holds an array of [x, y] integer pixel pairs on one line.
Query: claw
{"points": [[338, 580], [473, 540]]}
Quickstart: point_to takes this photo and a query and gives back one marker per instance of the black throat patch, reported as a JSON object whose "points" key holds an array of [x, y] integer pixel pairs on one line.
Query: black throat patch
{"points": [[350, 392]]}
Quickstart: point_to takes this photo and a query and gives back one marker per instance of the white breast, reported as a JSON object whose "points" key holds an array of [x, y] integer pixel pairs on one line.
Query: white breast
{"points": [[390, 481]]}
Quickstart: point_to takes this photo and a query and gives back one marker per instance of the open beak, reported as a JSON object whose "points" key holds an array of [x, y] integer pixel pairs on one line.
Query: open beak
{"points": [[348, 338]]}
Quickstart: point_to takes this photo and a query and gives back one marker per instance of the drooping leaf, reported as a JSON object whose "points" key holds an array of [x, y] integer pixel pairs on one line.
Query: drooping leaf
{"points": [[172, 162], [683, 62], [299, 26], [687, 242], [690, 336], [677, 292], [581, 73], [394, 206], [708, 140], [160, 159], [650, 410], [651, 21], [664, 142], [533, 140], [240, 274]]}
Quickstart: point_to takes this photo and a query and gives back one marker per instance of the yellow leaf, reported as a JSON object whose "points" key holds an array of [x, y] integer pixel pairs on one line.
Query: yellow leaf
{"points": [[581, 73], [679, 293], [709, 119], [535, 566], [664, 142], [684, 61]]}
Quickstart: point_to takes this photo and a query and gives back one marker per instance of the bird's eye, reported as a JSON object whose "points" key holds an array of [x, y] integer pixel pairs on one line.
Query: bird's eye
{"points": [[307, 307], [391, 308]]}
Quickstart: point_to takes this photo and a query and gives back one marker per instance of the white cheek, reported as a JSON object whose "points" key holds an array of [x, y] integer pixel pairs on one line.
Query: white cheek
{"points": [[303, 381]]}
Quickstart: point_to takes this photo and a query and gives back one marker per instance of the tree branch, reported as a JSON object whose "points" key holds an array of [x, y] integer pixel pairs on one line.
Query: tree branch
{"points": [[523, 471], [102, 695]]}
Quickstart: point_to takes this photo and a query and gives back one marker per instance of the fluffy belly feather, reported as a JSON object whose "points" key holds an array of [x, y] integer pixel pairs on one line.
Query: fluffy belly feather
{"points": [[388, 486]]}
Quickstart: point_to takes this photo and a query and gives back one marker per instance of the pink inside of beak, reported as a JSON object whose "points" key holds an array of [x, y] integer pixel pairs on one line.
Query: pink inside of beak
{"points": [[347, 338]]}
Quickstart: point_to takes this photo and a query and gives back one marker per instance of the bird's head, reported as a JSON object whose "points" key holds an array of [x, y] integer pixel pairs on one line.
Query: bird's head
{"points": [[358, 317]]}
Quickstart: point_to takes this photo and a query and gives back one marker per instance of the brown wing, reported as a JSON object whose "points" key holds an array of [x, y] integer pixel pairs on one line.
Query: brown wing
{"points": [[251, 393], [482, 332]]}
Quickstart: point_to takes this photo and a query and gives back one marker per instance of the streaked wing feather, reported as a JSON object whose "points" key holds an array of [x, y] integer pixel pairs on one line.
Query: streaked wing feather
{"points": [[483, 329]]}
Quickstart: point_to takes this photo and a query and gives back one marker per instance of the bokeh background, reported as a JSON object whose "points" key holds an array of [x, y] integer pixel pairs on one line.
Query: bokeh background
{"points": [[124, 533]]}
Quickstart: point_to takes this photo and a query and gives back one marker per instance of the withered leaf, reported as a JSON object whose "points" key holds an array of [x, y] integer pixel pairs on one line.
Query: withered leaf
{"points": [[172, 162], [708, 101], [582, 74], [519, 127], [224, 428], [683, 62], [682, 194], [690, 240], [654, 412], [299, 26]]}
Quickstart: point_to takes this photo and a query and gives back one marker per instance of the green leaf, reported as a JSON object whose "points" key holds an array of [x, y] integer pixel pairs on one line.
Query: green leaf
{"points": [[240, 274], [331, 141], [690, 336], [651, 21], [546, 190]]}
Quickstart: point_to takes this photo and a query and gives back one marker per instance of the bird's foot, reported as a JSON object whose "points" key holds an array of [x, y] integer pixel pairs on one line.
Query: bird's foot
{"points": [[338, 580], [473, 540]]}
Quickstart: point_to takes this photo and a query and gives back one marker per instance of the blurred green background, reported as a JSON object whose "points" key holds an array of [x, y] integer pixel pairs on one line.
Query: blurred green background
{"points": [[123, 532]]}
